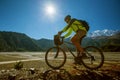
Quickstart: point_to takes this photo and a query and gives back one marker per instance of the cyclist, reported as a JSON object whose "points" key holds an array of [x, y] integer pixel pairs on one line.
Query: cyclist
{"points": [[79, 30]]}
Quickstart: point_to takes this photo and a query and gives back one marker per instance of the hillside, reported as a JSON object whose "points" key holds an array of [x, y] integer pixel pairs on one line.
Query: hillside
{"points": [[12, 41], [112, 43], [106, 43], [45, 43]]}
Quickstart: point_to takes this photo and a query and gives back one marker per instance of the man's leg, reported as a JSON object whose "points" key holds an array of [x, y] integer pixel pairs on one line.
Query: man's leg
{"points": [[76, 40]]}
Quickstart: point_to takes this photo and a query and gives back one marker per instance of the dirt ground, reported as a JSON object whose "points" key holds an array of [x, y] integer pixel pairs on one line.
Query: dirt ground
{"points": [[35, 68]]}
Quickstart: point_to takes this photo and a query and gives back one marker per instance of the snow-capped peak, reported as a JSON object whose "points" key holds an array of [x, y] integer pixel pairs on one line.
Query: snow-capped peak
{"points": [[104, 32]]}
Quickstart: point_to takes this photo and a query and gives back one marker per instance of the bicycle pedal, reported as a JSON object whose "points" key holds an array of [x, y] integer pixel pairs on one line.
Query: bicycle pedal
{"points": [[92, 58], [78, 61], [75, 67]]}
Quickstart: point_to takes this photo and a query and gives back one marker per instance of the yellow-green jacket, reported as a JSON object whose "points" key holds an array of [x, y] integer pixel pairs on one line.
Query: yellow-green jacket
{"points": [[73, 27]]}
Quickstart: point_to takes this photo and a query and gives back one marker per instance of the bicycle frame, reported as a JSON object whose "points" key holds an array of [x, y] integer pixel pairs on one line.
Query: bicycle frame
{"points": [[66, 47], [64, 43]]}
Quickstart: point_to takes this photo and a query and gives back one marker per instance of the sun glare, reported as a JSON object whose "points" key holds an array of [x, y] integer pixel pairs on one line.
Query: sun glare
{"points": [[50, 10]]}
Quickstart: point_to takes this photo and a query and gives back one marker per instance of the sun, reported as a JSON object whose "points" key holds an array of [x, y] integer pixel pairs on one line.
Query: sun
{"points": [[50, 10]]}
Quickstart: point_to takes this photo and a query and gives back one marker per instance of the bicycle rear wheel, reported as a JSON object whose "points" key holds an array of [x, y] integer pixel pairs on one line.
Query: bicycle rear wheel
{"points": [[55, 57], [94, 58]]}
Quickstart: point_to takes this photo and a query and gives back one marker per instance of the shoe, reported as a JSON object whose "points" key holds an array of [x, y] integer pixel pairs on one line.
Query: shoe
{"points": [[77, 60], [83, 55]]}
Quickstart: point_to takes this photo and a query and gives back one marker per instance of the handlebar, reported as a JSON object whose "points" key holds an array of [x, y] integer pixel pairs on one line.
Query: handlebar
{"points": [[58, 40]]}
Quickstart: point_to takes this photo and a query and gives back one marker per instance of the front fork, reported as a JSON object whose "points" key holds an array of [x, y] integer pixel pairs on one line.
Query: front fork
{"points": [[57, 52]]}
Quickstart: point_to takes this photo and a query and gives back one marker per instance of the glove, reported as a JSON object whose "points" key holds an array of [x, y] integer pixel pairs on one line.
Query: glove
{"points": [[60, 32]]}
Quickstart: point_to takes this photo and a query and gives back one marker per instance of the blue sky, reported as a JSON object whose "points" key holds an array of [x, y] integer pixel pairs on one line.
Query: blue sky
{"points": [[31, 16]]}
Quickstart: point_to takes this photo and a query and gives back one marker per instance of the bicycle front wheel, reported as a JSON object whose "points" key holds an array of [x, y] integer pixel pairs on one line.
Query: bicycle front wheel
{"points": [[94, 58], [55, 57]]}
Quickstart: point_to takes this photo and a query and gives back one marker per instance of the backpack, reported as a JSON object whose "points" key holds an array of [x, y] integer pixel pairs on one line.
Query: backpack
{"points": [[84, 23]]}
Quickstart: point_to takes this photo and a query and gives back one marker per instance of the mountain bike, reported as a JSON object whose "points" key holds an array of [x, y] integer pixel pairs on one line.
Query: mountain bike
{"points": [[55, 57]]}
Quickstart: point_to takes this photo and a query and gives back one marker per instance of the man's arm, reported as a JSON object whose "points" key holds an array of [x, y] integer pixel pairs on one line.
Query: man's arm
{"points": [[67, 27], [69, 31], [63, 30]]}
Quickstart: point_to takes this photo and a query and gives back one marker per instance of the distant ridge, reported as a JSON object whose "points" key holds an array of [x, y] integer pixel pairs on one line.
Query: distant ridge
{"points": [[45, 43], [14, 41]]}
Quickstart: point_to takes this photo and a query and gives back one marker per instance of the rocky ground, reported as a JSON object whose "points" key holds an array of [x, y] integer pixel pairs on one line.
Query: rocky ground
{"points": [[105, 73]]}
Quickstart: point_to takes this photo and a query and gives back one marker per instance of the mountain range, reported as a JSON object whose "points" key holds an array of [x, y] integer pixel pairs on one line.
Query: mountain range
{"points": [[107, 40], [104, 32]]}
